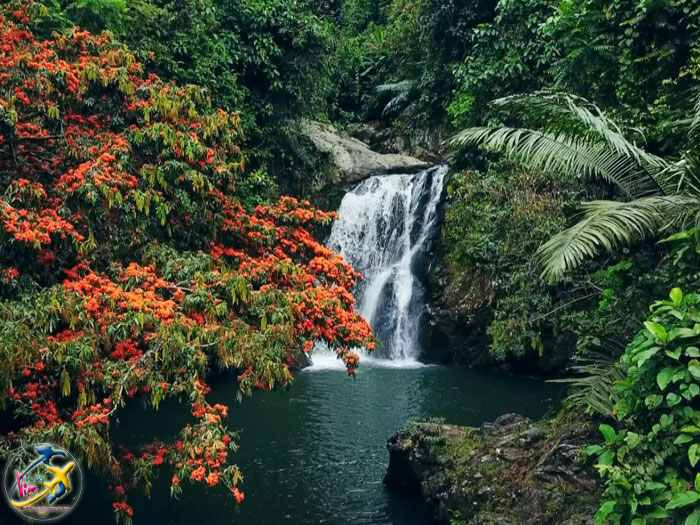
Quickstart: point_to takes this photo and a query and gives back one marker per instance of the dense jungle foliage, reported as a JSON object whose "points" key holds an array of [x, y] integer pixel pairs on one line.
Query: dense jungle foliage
{"points": [[574, 203]]}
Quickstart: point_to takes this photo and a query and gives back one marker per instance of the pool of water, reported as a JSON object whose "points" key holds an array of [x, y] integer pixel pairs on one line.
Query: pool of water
{"points": [[316, 453]]}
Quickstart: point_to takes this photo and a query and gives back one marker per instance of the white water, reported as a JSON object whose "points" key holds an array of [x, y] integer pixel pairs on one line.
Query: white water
{"points": [[383, 224], [323, 359]]}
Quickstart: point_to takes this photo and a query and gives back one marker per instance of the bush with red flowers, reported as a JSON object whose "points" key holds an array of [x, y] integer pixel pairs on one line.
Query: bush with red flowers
{"points": [[129, 268]]}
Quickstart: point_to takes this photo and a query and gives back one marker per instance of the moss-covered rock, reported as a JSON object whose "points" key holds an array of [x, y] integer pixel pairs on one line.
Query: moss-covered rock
{"points": [[511, 471]]}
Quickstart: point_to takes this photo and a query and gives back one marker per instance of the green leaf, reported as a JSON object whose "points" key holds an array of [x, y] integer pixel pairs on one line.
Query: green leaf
{"points": [[674, 354], [681, 333], [65, 382], [664, 377], [694, 518], [643, 357], [658, 512], [653, 401], [694, 371], [606, 459], [690, 392], [608, 433], [694, 454], [605, 509], [694, 389], [683, 438], [656, 330], [592, 449], [666, 420], [654, 485], [682, 500], [676, 296], [673, 399]]}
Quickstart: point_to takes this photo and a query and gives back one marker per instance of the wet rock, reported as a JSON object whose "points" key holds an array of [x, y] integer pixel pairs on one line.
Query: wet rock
{"points": [[300, 360], [510, 471], [426, 145], [509, 420], [352, 159]]}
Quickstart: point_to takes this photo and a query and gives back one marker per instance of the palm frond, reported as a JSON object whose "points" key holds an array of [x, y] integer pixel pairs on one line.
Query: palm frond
{"points": [[695, 121], [396, 103], [659, 53], [396, 87], [575, 138], [683, 176], [565, 154], [402, 92], [607, 225], [594, 376], [576, 116]]}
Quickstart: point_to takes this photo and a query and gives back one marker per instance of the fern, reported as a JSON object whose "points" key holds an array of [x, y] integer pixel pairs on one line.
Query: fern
{"points": [[607, 225]]}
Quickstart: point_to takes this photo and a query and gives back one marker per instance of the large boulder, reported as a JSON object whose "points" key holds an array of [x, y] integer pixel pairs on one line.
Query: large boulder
{"points": [[352, 159], [424, 144], [512, 471]]}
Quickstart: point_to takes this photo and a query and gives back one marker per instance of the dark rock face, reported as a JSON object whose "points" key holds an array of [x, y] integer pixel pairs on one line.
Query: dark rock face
{"points": [[460, 311], [510, 471], [300, 360]]}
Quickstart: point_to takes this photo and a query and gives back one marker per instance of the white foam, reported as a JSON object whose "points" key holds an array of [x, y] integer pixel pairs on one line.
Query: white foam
{"points": [[324, 359]]}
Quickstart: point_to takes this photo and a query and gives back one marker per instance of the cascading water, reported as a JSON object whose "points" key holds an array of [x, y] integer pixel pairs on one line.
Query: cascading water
{"points": [[383, 225]]}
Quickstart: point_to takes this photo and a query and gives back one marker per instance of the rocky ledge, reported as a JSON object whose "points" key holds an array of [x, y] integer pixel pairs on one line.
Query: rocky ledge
{"points": [[512, 471], [352, 159]]}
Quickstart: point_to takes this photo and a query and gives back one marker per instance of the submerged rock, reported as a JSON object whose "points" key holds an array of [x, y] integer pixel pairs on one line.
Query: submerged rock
{"points": [[352, 159], [509, 471]]}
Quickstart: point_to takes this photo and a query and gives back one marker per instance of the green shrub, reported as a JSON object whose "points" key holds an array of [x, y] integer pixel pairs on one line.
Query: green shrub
{"points": [[650, 464], [494, 222]]}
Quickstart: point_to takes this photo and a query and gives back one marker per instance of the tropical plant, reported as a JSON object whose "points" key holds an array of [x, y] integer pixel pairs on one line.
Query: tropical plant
{"points": [[649, 463], [267, 60], [506, 55], [594, 376], [573, 138], [401, 93]]}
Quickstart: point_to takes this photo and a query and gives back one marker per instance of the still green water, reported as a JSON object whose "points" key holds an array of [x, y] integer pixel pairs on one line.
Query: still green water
{"points": [[317, 452]]}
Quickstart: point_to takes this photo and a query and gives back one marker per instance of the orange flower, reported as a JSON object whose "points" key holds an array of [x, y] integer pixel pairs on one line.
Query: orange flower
{"points": [[198, 474]]}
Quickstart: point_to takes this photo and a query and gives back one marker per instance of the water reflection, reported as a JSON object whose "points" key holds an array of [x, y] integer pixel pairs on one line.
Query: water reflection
{"points": [[316, 453]]}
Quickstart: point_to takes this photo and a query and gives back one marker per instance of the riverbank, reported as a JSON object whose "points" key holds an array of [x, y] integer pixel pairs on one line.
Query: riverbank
{"points": [[511, 471]]}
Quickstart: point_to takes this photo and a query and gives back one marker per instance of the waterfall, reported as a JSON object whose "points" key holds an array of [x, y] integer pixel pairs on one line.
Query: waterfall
{"points": [[384, 225]]}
